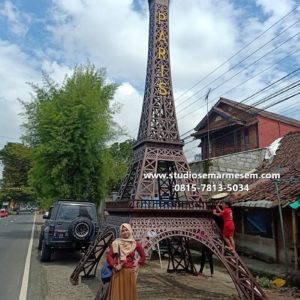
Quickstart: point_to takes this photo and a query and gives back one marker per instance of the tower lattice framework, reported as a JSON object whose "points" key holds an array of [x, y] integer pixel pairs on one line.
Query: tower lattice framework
{"points": [[153, 206], [158, 149]]}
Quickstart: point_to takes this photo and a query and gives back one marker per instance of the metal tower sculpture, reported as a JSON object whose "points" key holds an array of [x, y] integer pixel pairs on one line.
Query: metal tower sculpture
{"points": [[155, 207], [158, 149]]}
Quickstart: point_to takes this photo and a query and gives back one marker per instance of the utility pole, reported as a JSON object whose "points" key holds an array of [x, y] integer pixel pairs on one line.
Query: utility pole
{"points": [[208, 139], [282, 226]]}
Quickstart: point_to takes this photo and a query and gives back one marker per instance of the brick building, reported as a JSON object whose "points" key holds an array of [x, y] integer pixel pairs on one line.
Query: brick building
{"points": [[259, 228], [235, 127]]}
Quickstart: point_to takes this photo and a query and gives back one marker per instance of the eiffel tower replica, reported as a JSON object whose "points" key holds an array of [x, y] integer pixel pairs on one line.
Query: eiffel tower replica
{"points": [[158, 197]]}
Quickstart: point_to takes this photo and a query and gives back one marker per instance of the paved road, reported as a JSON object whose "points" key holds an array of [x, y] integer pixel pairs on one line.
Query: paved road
{"points": [[15, 233], [50, 281]]}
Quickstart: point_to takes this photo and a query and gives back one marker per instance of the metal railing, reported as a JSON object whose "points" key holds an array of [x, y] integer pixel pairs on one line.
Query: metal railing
{"points": [[161, 205]]}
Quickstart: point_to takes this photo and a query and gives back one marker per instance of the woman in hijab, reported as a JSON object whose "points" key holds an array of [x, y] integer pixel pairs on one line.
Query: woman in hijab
{"points": [[121, 258]]}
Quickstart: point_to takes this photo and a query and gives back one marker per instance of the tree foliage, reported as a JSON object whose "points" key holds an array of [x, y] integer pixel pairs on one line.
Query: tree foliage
{"points": [[16, 161], [118, 158], [68, 127]]}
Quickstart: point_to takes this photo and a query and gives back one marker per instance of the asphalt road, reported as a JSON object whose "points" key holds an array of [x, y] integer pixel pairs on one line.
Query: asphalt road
{"points": [[15, 233], [50, 281]]}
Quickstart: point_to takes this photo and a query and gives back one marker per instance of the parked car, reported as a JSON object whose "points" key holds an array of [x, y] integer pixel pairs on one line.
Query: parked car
{"points": [[68, 225], [3, 213]]}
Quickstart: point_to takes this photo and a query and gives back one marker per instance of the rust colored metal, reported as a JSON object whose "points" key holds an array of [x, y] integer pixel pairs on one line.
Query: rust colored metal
{"points": [[205, 231], [153, 206], [180, 257], [158, 149], [89, 262]]}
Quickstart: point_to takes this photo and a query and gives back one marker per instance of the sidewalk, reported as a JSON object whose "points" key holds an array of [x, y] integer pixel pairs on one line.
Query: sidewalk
{"points": [[259, 267], [153, 282], [156, 283]]}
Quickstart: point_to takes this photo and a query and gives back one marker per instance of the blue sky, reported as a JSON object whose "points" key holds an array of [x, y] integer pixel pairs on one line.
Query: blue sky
{"points": [[54, 35]]}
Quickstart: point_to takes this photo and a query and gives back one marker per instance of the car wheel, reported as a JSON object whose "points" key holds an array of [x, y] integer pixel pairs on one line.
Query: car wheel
{"points": [[81, 229], [40, 241], [45, 252]]}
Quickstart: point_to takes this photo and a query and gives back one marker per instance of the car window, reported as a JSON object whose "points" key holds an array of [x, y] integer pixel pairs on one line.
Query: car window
{"points": [[70, 212], [50, 212]]}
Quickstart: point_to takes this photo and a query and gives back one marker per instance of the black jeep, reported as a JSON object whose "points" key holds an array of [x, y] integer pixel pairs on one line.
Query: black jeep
{"points": [[68, 225]]}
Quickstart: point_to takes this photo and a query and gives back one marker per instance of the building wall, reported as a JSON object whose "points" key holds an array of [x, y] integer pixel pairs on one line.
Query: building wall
{"points": [[256, 246], [241, 162], [270, 130], [266, 249], [253, 141], [287, 227]]}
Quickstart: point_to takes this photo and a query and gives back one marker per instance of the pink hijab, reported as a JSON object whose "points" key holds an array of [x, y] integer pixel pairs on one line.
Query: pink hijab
{"points": [[124, 246]]}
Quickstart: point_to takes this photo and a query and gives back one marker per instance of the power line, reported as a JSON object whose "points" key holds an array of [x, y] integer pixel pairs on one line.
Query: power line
{"points": [[240, 62], [277, 93], [291, 108], [269, 97], [289, 75], [261, 110], [280, 20], [282, 79], [268, 68], [213, 89], [239, 51]]}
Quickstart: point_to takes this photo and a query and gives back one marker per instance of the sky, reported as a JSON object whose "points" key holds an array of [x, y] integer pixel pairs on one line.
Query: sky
{"points": [[235, 48]]}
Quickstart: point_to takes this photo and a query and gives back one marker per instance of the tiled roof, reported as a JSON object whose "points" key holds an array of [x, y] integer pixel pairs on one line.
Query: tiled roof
{"points": [[287, 163], [249, 109], [260, 112]]}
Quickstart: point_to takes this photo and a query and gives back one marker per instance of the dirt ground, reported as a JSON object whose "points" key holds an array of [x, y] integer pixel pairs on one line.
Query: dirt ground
{"points": [[53, 280], [153, 283], [156, 283]]}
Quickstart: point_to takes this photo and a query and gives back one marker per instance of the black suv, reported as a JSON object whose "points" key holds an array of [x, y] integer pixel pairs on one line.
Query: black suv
{"points": [[69, 225]]}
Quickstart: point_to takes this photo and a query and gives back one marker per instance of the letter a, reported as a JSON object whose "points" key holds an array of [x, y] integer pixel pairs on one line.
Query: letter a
{"points": [[162, 37]]}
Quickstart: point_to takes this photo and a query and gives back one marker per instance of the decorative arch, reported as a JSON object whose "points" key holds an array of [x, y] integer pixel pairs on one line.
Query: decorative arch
{"points": [[206, 232]]}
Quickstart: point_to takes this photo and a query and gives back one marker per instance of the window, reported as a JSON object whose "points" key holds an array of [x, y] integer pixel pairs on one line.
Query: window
{"points": [[238, 219], [246, 136], [70, 212], [259, 222]]}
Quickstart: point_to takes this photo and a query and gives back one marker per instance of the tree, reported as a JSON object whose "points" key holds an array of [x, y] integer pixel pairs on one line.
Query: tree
{"points": [[16, 161], [118, 157], [68, 127]]}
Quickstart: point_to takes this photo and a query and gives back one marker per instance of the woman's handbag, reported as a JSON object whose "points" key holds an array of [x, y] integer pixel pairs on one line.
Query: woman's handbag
{"points": [[106, 273]]}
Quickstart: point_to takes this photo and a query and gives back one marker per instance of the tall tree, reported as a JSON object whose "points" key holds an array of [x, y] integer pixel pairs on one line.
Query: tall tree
{"points": [[68, 126], [118, 158], [16, 161]]}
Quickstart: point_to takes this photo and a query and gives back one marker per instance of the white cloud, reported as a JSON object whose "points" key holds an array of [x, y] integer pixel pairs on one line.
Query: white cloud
{"points": [[115, 36], [277, 8], [110, 34], [130, 101], [17, 70], [203, 34], [56, 71], [18, 20]]}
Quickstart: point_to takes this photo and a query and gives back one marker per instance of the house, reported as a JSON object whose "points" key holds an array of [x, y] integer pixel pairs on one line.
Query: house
{"points": [[234, 127], [259, 226]]}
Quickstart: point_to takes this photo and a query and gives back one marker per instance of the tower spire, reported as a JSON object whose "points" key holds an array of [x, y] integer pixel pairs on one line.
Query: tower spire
{"points": [[158, 149], [158, 120]]}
